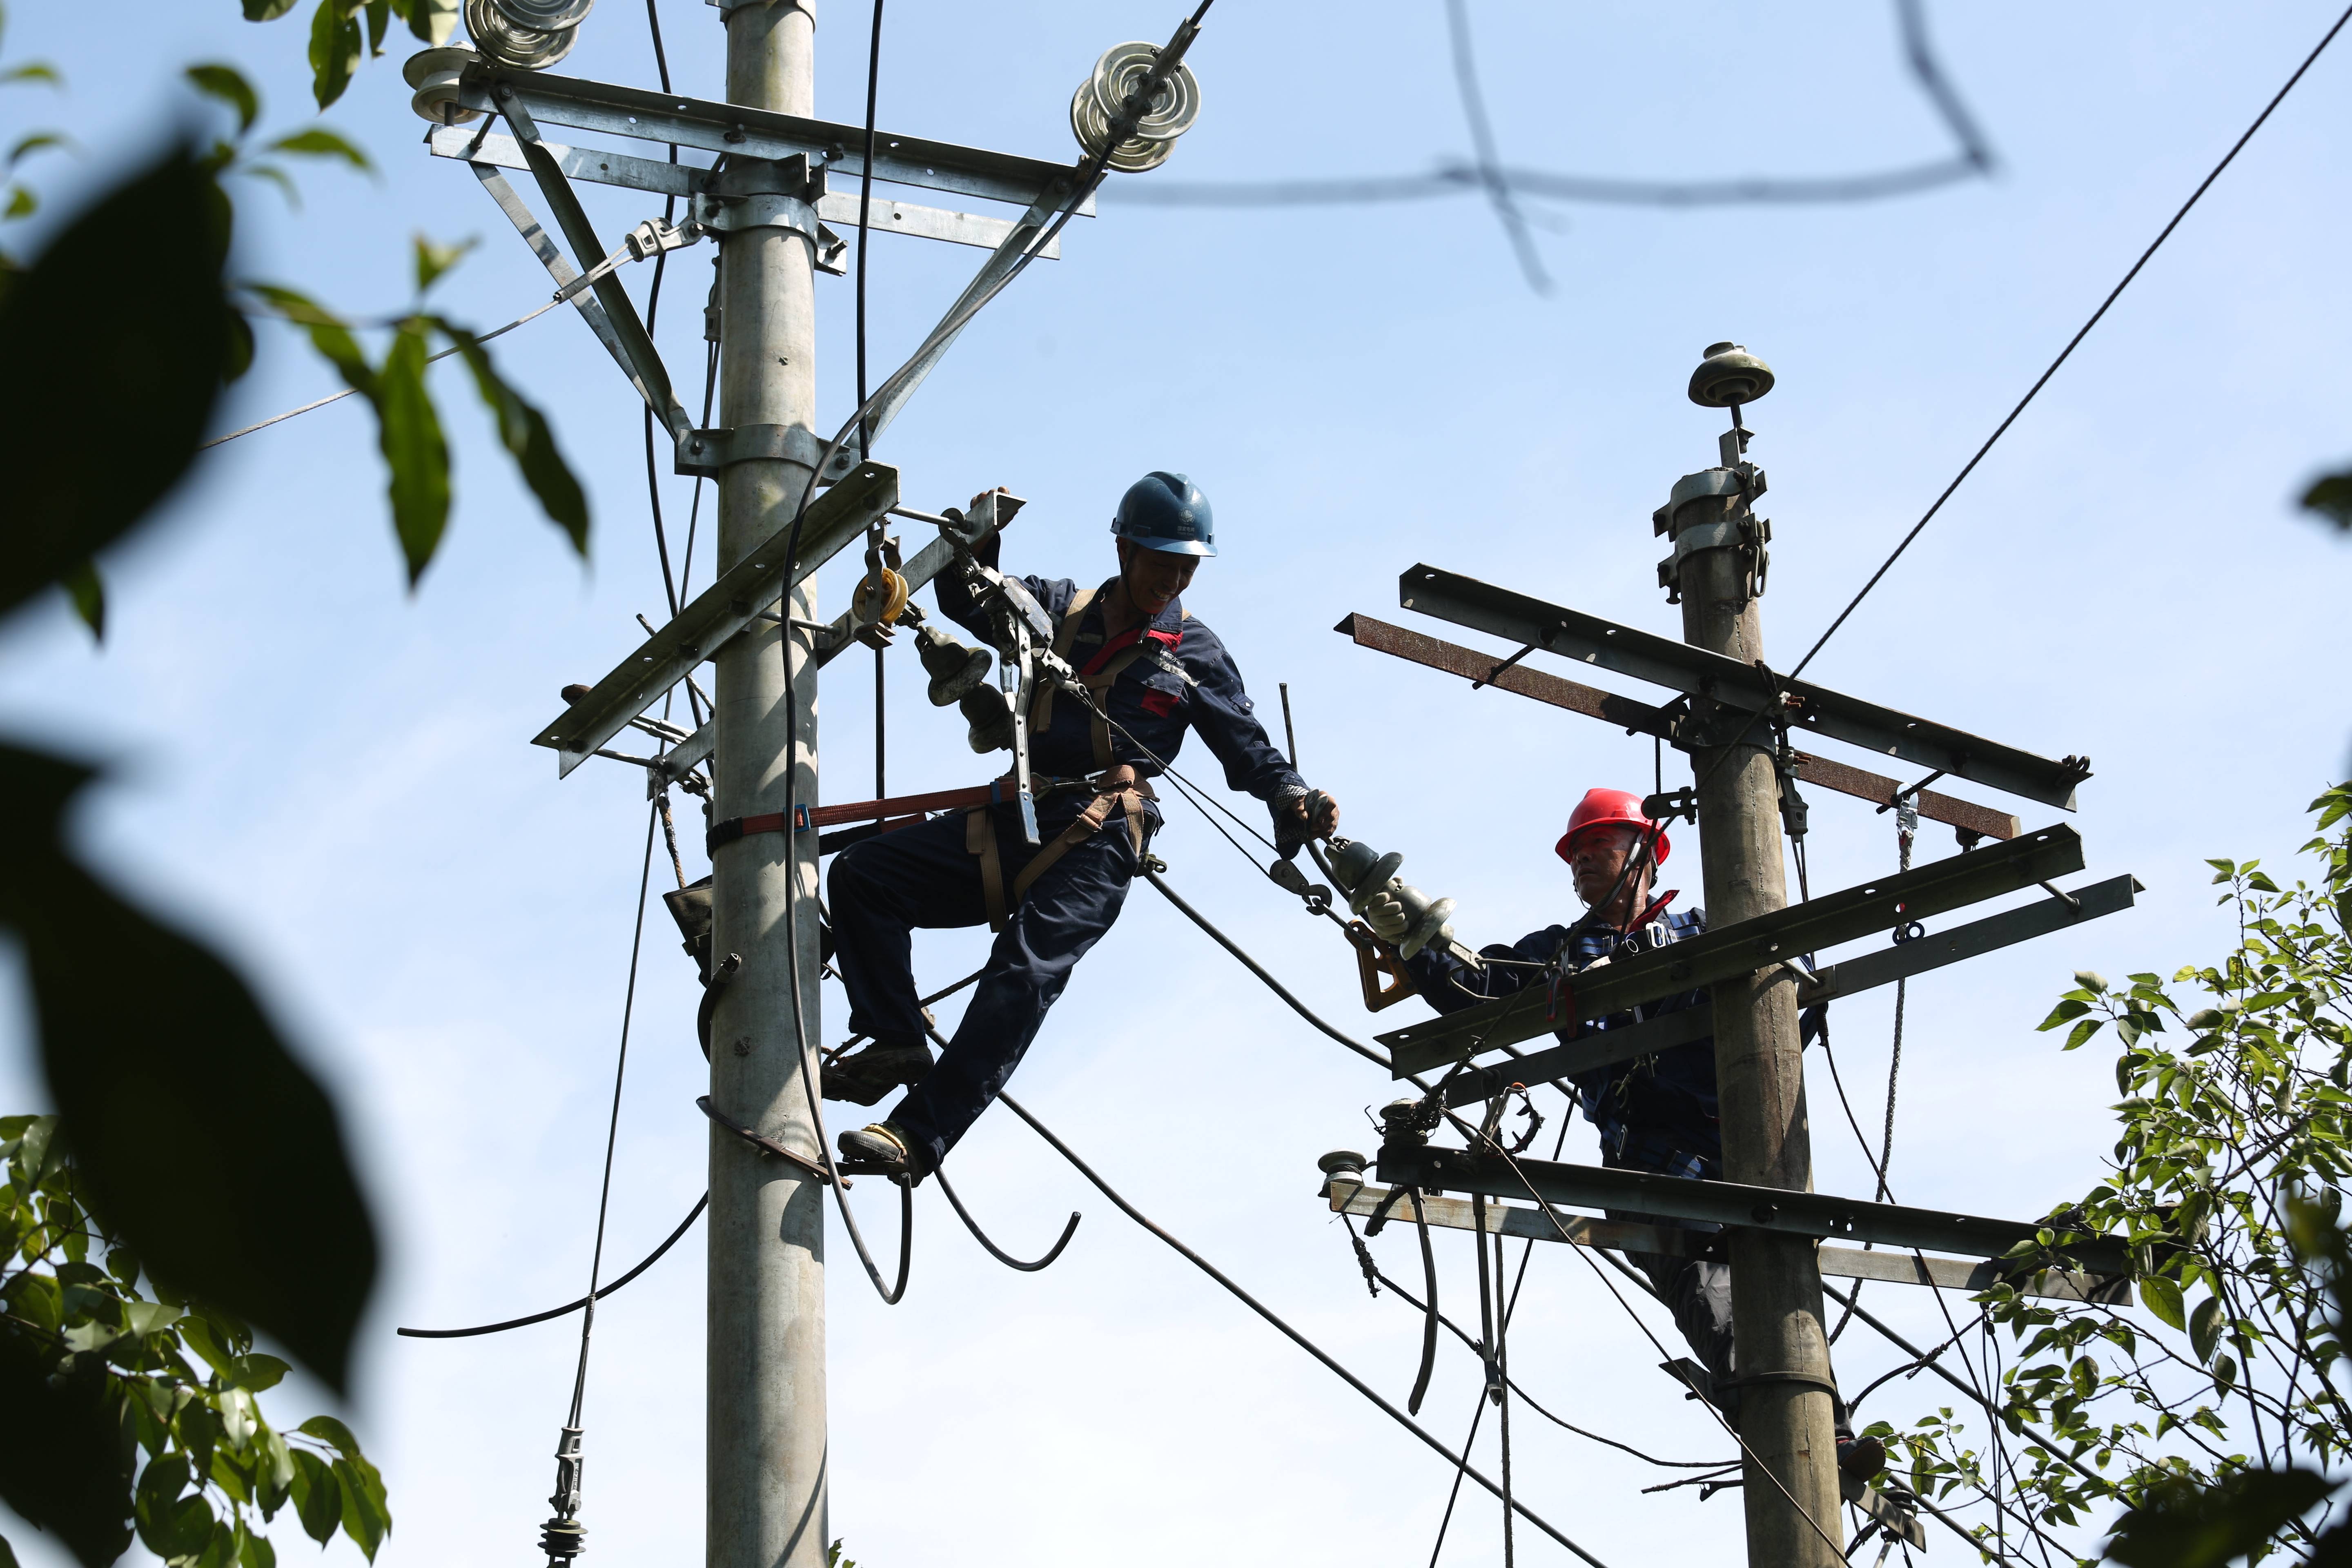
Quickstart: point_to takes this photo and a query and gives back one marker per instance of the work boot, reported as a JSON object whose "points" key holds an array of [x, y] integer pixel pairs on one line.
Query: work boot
{"points": [[1860, 1458], [865, 1076], [880, 1150]]}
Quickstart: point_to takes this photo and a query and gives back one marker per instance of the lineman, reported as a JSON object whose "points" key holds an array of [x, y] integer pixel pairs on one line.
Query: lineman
{"points": [[1154, 671], [1655, 1114]]}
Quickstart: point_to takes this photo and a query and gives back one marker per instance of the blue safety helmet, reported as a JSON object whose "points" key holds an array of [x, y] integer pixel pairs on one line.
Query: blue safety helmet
{"points": [[1167, 512]]}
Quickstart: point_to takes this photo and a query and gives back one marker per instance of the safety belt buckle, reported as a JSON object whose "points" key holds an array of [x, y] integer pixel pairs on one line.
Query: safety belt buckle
{"points": [[802, 821]]}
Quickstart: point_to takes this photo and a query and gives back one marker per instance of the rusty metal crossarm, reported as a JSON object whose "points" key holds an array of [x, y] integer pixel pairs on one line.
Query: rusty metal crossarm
{"points": [[1697, 672], [1883, 967], [1641, 718], [1346, 1196], [838, 518], [746, 133], [1747, 945], [1647, 1196]]}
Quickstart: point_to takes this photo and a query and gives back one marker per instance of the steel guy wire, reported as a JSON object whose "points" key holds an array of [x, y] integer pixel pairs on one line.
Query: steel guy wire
{"points": [[647, 1262], [653, 313], [1296, 1338], [1490, 174], [1973, 159], [2084, 331]]}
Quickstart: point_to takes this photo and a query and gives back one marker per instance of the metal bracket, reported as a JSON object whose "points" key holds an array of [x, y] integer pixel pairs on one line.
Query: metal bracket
{"points": [[1679, 666], [1742, 948], [1885, 1512], [1646, 1194], [706, 454], [838, 518], [1607, 1047]]}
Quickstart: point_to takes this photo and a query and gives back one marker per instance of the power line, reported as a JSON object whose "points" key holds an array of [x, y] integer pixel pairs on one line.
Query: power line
{"points": [[1973, 159], [2064, 354], [1481, 137]]}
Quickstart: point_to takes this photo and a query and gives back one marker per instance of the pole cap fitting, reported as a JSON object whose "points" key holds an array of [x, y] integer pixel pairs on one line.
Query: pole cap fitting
{"points": [[1728, 376], [1341, 1162]]}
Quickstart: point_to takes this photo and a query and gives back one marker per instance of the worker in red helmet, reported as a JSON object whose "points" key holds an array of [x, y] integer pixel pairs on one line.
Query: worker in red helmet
{"points": [[1658, 1113]]}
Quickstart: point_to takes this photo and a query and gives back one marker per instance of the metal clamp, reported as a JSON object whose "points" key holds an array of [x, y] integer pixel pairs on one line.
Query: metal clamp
{"points": [[706, 454], [765, 1144]]}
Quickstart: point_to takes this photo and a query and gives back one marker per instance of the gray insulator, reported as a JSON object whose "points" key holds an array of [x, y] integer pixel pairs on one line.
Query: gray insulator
{"points": [[990, 720], [954, 669], [529, 34]]}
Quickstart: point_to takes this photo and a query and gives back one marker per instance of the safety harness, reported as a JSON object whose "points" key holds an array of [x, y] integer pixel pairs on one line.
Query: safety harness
{"points": [[1117, 786]]}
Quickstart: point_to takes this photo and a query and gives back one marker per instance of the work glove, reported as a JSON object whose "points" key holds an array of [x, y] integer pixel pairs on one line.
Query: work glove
{"points": [[1295, 823], [1388, 917]]}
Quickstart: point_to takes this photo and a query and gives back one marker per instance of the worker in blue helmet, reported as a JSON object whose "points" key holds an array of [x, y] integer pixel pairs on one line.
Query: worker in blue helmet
{"points": [[1154, 673]]}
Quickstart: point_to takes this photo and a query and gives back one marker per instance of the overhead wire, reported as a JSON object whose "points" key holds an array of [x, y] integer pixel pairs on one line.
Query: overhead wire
{"points": [[2065, 353], [1282, 1325], [1972, 159], [865, 427], [650, 1259], [1490, 173]]}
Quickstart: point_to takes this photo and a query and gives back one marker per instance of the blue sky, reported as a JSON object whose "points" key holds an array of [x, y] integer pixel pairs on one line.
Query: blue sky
{"points": [[331, 778]]}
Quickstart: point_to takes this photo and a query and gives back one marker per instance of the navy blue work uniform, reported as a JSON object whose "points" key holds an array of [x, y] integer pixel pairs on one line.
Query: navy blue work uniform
{"points": [[1658, 1113], [928, 876]]}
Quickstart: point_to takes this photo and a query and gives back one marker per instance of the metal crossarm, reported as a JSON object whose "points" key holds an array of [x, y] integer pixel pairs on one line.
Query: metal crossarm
{"points": [[637, 347], [837, 518], [1899, 962], [1815, 710], [1646, 1196], [1677, 1241], [1743, 948], [600, 166], [1641, 718], [745, 132]]}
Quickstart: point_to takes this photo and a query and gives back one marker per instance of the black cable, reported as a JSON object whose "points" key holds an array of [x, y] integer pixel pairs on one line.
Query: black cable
{"points": [[995, 1251], [1490, 173], [612, 1125], [1369, 1054], [1453, 179], [653, 314], [1301, 1341], [1428, 1318], [650, 1259], [2042, 380]]}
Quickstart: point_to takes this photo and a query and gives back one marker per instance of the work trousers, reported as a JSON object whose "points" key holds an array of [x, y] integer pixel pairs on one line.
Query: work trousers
{"points": [[883, 888], [1698, 1292]]}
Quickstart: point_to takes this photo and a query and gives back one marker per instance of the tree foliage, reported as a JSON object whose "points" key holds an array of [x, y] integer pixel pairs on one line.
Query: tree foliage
{"points": [[2211, 1413], [137, 1414]]}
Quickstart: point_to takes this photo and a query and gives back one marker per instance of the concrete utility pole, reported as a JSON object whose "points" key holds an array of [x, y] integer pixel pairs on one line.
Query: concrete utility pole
{"points": [[1782, 1351], [765, 1424]]}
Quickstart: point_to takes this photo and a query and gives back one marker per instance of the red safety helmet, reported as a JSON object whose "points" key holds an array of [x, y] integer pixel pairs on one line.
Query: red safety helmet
{"points": [[1611, 808]]}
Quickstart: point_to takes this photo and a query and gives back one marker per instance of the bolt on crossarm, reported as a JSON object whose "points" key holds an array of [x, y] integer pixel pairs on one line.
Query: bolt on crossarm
{"points": [[765, 1493], [1781, 1351]]}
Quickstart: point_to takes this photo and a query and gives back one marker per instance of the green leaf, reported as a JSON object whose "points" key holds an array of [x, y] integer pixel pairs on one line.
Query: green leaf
{"points": [[7, 1556], [267, 10], [413, 448], [32, 70], [2188, 1526], [37, 141], [22, 203], [170, 1524], [255, 1552], [318, 1496], [524, 432], [87, 591], [365, 1518], [198, 1139], [2067, 1009], [63, 1465], [124, 309], [2162, 1297], [379, 22], [327, 1429], [430, 20], [334, 48], [434, 260], [228, 84], [321, 142], [2331, 497]]}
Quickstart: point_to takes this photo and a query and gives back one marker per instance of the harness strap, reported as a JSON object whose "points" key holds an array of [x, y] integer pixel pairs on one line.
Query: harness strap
{"points": [[1041, 715], [980, 838]]}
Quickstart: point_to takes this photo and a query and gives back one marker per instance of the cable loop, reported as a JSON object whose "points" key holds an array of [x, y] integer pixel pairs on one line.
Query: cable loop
{"points": [[995, 1251]]}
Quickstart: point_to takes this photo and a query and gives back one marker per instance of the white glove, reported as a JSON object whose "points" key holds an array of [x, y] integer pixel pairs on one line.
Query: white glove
{"points": [[1388, 917]]}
